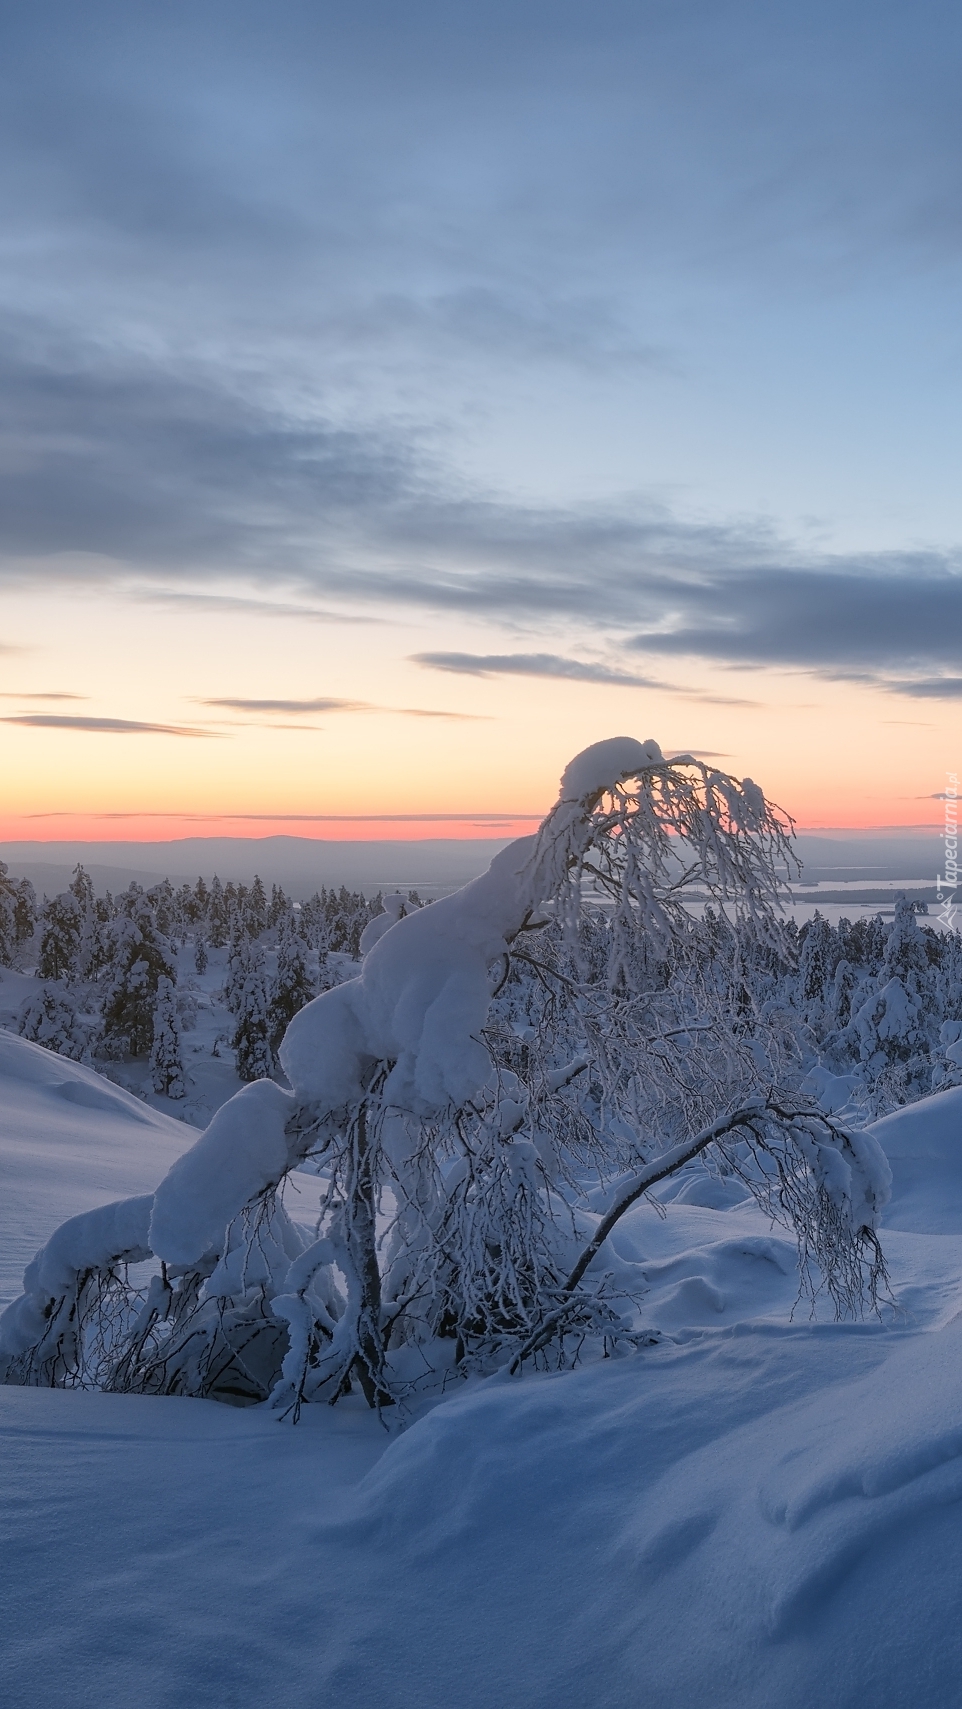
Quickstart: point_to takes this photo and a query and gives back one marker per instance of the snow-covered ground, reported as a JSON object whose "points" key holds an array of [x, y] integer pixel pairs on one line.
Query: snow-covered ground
{"points": [[209, 1062], [754, 1510]]}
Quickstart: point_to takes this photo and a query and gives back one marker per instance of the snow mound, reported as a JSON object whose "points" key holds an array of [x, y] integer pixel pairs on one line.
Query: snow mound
{"points": [[751, 1511], [923, 1143], [69, 1142]]}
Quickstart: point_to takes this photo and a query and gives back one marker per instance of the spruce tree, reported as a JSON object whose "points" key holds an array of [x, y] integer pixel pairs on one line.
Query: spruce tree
{"points": [[257, 907], [24, 913], [62, 928], [816, 963], [166, 1065], [139, 957], [293, 986], [218, 918], [8, 928], [251, 1040], [278, 908]]}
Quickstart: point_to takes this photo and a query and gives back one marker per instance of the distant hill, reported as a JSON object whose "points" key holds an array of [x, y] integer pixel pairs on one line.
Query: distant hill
{"points": [[300, 864], [432, 866]]}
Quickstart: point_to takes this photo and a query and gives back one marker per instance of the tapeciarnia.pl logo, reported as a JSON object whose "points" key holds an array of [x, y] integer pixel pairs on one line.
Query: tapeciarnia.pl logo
{"points": [[950, 835]]}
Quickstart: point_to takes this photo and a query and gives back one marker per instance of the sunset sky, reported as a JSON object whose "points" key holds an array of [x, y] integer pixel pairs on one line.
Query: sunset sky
{"points": [[395, 398]]}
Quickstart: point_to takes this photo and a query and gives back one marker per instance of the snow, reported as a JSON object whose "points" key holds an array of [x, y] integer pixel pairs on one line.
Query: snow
{"points": [[420, 999], [422, 996], [69, 1140], [243, 1151], [923, 1143], [753, 1510], [605, 763], [756, 1506]]}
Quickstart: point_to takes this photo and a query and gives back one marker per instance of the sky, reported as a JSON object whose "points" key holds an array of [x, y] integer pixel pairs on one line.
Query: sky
{"points": [[396, 398]]}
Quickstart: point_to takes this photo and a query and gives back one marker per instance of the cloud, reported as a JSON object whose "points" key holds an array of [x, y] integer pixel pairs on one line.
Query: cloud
{"points": [[121, 468], [322, 704], [530, 664], [436, 712], [318, 705], [478, 816], [115, 458], [247, 323], [929, 688], [107, 726], [223, 604], [894, 609], [574, 670], [39, 695]]}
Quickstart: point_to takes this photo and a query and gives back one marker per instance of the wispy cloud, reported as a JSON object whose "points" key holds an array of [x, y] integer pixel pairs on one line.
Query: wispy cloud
{"points": [[38, 695], [103, 726], [531, 664], [321, 704], [478, 816], [224, 604], [928, 688], [435, 712], [130, 469], [328, 704], [553, 665]]}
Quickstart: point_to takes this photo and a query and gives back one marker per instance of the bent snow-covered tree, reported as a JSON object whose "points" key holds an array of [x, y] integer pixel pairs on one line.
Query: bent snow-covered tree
{"points": [[512, 1068]]}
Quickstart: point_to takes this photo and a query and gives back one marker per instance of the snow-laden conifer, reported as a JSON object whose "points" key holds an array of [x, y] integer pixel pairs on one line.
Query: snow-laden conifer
{"points": [[166, 1065], [252, 1008], [61, 925], [18, 916], [49, 1017], [137, 958], [218, 916], [293, 985]]}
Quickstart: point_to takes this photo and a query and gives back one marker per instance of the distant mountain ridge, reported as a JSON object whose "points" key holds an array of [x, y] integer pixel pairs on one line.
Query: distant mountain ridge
{"points": [[432, 865]]}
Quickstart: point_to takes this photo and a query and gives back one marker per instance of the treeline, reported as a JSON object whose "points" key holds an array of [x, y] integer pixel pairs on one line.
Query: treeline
{"points": [[870, 1011], [109, 965], [872, 1008]]}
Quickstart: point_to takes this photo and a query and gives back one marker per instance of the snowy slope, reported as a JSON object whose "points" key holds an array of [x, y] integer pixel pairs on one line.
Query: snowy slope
{"points": [[753, 1511], [69, 1140]]}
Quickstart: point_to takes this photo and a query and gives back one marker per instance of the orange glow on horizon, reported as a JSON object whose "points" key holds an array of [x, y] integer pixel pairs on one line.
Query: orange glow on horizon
{"points": [[127, 744]]}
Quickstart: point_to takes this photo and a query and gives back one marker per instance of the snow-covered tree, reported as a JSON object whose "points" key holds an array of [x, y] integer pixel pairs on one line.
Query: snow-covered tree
{"points": [[218, 915], [293, 985], [88, 960], [892, 1027], [166, 1064], [257, 907], [18, 916], [138, 957], [252, 1010], [278, 908], [61, 923], [482, 1133], [816, 965], [242, 953], [8, 934], [163, 907], [49, 1017]]}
